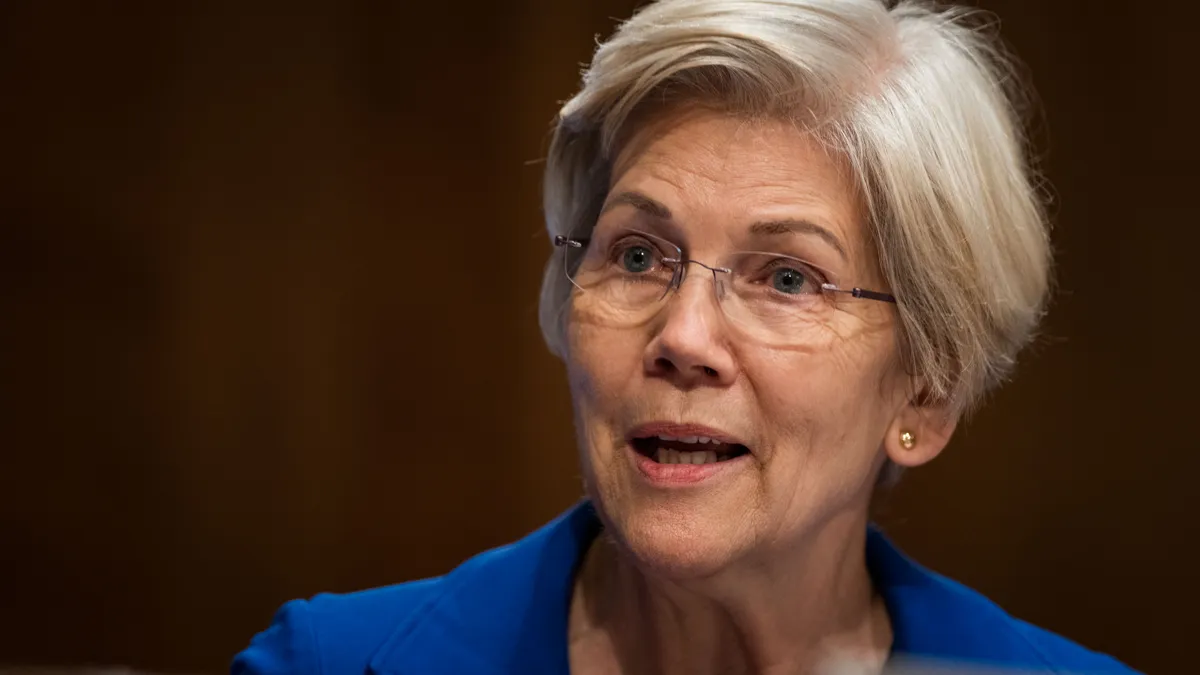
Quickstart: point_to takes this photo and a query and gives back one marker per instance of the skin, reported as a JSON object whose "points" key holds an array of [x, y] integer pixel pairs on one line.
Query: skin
{"points": [[761, 569]]}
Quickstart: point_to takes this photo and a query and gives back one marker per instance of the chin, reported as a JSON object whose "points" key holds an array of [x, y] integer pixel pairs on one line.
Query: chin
{"points": [[677, 543]]}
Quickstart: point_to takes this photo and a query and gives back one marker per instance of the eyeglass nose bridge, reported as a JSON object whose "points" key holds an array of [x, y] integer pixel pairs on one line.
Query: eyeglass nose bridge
{"points": [[681, 266]]}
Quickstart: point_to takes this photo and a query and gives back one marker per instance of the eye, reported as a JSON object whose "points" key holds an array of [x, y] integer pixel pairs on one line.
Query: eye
{"points": [[792, 281], [637, 259]]}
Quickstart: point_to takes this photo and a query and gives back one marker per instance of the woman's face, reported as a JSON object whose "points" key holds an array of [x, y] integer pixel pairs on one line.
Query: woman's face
{"points": [[803, 419]]}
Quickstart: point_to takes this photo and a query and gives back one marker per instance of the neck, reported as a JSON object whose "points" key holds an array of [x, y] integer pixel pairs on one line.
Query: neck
{"points": [[790, 614]]}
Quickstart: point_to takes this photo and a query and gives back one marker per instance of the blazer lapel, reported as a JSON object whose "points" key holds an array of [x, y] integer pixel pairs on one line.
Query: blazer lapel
{"points": [[504, 611]]}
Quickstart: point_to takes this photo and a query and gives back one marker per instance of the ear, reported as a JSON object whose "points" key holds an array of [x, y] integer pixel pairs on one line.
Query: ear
{"points": [[931, 425]]}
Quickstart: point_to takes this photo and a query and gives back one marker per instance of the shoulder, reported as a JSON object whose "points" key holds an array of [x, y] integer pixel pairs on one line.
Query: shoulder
{"points": [[502, 607], [1066, 655], [333, 633], [965, 625], [935, 618]]}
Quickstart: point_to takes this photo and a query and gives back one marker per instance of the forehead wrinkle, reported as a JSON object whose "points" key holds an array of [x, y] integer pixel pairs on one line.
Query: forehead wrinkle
{"points": [[711, 172]]}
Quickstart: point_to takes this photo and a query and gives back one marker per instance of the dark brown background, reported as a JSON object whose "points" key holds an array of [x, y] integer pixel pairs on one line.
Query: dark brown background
{"points": [[269, 279]]}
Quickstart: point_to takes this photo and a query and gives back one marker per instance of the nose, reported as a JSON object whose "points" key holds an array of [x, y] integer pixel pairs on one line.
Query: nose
{"points": [[691, 348]]}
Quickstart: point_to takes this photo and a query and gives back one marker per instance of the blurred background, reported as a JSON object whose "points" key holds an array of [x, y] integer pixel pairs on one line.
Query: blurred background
{"points": [[269, 276]]}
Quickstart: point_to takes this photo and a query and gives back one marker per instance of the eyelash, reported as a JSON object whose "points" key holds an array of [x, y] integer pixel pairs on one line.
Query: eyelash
{"points": [[622, 245], [816, 275]]}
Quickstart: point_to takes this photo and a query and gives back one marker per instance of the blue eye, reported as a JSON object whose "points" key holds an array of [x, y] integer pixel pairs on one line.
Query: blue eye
{"points": [[637, 259], [790, 281]]}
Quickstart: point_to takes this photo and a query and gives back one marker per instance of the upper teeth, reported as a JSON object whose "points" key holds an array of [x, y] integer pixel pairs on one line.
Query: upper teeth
{"points": [[688, 439]]}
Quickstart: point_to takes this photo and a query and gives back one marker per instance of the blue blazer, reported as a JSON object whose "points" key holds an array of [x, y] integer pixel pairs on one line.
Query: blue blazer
{"points": [[505, 611]]}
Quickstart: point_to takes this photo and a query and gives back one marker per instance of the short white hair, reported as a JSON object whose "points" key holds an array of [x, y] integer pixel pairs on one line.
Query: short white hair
{"points": [[924, 105]]}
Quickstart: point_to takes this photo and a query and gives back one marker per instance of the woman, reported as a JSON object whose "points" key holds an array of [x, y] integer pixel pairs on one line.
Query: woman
{"points": [[795, 241]]}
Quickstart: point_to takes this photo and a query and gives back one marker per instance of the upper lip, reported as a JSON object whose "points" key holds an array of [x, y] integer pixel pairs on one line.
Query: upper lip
{"points": [[682, 430]]}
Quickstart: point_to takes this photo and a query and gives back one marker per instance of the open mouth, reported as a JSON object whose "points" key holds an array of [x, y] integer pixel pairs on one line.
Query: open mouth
{"points": [[687, 449]]}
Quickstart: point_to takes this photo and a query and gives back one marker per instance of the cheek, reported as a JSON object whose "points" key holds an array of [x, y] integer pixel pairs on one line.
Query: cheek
{"points": [[602, 364], [817, 377], [856, 364], [826, 420], [827, 405]]}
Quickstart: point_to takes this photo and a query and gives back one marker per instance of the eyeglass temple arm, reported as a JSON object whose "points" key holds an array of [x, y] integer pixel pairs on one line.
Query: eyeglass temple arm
{"points": [[861, 293], [560, 240]]}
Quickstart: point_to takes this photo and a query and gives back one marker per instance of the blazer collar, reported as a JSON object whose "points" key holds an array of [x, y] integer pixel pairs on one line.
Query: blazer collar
{"points": [[506, 611]]}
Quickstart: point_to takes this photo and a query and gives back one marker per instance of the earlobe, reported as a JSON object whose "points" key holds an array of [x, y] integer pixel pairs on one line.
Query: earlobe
{"points": [[919, 432]]}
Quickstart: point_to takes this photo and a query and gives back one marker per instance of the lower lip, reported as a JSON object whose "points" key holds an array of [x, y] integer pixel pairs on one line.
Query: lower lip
{"points": [[681, 474]]}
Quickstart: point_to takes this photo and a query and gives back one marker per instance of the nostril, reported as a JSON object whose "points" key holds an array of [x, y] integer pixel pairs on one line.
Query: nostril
{"points": [[666, 366]]}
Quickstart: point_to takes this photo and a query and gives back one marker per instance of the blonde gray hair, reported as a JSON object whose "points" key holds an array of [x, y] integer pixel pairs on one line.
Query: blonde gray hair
{"points": [[926, 109]]}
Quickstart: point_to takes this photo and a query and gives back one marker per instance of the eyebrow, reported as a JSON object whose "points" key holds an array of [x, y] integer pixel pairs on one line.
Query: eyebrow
{"points": [[659, 211], [798, 226], [639, 201]]}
